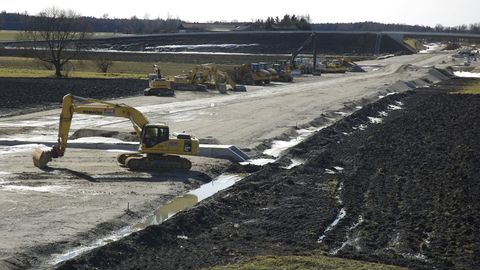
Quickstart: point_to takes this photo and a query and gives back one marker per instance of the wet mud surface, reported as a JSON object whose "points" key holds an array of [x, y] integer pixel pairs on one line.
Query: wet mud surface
{"points": [[401, 190], [21, 95]]}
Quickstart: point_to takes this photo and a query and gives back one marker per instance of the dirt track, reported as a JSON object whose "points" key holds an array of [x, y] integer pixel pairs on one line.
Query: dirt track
{"points": [[402, 192], [90, 185]]}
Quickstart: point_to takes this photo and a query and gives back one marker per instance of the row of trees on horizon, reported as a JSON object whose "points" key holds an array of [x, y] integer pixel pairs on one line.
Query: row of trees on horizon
{"points": [[135, 25]]}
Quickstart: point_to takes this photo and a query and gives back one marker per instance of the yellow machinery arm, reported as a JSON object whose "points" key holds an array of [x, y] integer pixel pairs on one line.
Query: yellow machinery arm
{"points": [[94, 107]]}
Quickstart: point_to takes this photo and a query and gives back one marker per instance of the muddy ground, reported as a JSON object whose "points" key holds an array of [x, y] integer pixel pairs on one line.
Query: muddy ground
{"points": [[403, 191], [21, 95]]}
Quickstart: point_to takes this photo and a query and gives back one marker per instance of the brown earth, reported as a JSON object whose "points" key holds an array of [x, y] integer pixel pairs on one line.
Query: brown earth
{"points": [[403, 192]]}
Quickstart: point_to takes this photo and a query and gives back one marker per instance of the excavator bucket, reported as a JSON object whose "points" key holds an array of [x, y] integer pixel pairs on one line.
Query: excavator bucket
{"points": [[41, 157]]}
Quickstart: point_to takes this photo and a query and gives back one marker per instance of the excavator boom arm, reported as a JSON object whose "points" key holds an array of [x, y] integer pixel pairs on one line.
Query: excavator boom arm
{"points": [[73, 104]]}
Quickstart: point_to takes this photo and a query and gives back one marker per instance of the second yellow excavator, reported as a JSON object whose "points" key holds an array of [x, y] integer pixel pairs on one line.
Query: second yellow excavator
{"points": [[158, 150]]}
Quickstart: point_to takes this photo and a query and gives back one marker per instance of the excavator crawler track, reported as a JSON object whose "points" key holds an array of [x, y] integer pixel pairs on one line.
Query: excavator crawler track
{"points": [[157, 163]]}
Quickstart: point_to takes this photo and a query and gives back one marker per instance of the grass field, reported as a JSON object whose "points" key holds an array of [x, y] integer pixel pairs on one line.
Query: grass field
{"points": [[473, 88], [305, 262], [29, 67]]}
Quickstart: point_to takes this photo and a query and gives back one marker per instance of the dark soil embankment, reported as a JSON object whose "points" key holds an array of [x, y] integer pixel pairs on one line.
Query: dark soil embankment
{"points": [[17, 94], [403, 192]]}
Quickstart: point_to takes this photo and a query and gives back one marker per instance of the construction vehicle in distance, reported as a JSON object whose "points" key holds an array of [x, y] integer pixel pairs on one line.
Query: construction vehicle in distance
{"points": [[159, 149], [214, 78], [206, 76], [191, 81], [340, 65], [157, 85], [284, 71], [251, 74], [270, 69]]}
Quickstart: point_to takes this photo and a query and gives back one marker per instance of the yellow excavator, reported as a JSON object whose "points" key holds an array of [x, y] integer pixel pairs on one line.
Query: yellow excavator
{"points": [[158, 85], [158, 150]]}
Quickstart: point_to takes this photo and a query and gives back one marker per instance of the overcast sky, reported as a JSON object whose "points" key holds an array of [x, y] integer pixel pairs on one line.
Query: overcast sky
{"points": [[423, 12]]}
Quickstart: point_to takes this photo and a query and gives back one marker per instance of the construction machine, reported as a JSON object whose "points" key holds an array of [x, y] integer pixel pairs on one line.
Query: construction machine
{"points": [[250, 74], [159, 149], [284, 71], [270, 69], [157, 85], [214, 78], [191, 81]]}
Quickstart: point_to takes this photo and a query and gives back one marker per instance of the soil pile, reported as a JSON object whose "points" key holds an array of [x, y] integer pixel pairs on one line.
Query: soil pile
{"points": [[395, 182], [21, 93]]}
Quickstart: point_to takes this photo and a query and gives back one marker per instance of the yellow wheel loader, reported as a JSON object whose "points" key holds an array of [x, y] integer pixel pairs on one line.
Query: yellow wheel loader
{"points": [[250, 74], [158, 150]]}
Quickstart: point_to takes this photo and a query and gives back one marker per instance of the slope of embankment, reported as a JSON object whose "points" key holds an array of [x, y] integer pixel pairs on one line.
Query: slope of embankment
{"points": [[396, 182]]}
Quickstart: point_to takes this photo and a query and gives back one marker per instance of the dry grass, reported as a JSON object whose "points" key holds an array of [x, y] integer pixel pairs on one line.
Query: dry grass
{"points": [[30, 67], [473, 88], [305, 262]]}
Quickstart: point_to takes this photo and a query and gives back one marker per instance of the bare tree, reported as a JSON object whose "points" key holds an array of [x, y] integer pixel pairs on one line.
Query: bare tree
{"points": [[56, 36], [103, 63]]}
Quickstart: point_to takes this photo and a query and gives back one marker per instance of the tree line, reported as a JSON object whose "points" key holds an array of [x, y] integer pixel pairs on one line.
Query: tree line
{"points": [[135, 25], [287, 22]]}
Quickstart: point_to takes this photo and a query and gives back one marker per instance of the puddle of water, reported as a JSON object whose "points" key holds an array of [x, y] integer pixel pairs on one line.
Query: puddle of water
{"points": [[375, 120], [160, 215], [431, 48], [258, 161], [294, 163], [328, 171], [279, 146], [466, 74], [42, 189], [5, 150], [330, 227], [394, 107]]}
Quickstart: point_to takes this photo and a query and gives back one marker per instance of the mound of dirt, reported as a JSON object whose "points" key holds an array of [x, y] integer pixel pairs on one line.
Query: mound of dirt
{"points": [[395, 182], [21, 93]]}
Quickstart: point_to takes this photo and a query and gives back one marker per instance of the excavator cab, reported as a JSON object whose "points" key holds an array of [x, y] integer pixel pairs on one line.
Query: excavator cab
{"points": [[153, 135]]}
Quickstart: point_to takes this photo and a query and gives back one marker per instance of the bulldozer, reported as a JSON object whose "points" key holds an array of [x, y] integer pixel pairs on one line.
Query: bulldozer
{"points": [[159, 149], [157, 85], [250, 74]]}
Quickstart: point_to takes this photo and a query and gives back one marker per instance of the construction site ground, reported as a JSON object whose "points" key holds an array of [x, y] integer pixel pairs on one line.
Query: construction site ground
{"points": [[85, 195]]}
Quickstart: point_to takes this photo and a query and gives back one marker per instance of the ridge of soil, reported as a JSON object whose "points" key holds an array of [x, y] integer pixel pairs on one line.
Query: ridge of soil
{"points": [[408, 189], [20, 95]]}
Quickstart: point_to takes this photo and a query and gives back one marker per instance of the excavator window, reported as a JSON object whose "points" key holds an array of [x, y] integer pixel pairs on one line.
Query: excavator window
{"points": [[155, 135]]}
